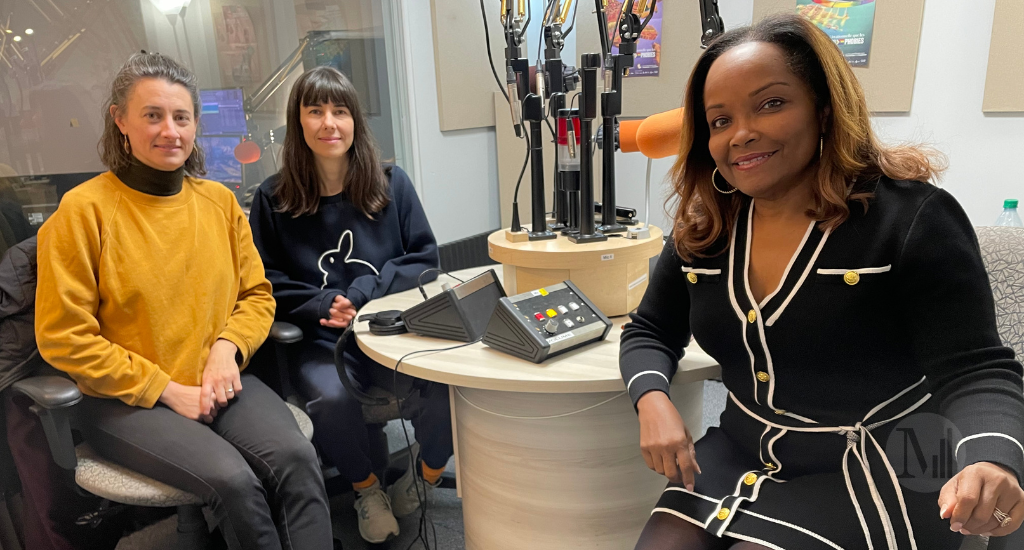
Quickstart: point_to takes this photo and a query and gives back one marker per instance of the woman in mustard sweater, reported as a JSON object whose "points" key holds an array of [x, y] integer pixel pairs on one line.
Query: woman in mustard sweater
{"points": [[152, 297]]}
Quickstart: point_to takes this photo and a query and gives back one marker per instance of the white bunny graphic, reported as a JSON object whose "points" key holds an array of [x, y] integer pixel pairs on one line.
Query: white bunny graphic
{"points": [[348, 257]]}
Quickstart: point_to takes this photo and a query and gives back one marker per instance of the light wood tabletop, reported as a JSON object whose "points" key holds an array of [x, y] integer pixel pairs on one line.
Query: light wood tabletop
{"points": [[593, 368]]}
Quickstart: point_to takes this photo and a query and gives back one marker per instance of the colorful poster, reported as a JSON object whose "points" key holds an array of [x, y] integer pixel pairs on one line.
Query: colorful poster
{"points": [[849, 23], [647, 61]]}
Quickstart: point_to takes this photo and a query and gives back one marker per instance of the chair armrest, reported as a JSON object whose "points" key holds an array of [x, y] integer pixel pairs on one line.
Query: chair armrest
{"points": [[285, 333], [53, 398], [50, 392]]}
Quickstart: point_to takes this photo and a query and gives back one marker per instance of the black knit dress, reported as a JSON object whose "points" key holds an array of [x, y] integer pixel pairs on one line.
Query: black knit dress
{"points": [[876, 326]]}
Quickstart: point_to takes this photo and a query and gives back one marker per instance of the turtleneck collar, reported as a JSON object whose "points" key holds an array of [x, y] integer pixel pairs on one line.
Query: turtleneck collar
{"points": [[151, 181]]}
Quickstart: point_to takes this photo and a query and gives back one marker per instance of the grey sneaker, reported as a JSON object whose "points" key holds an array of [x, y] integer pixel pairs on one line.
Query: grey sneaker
{"points": [[377, 523], [404, 499]]}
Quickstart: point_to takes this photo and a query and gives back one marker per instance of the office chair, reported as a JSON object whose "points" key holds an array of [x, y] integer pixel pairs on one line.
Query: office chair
{"points": [[54, 399], [1002, 249], [380, 406]]}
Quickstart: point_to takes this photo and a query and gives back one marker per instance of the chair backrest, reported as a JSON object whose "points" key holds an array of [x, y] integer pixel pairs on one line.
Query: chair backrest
{"points": [[1002, 249], [465, 253]]}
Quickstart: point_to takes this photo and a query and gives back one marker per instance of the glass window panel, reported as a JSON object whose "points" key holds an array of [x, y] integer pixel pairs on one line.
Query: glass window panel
{"points": [[58, 58]]}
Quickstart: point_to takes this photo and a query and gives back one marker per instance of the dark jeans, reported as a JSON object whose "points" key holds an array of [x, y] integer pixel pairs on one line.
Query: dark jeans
{"points": [[252, 466], [338, 424], [51, 503]]}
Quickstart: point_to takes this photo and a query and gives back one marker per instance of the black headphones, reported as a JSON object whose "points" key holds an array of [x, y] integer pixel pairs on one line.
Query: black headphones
{"points": [[385, 323]]}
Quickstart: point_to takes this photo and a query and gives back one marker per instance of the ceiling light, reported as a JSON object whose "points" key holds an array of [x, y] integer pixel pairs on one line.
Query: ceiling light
{"points": [[29, 31], [171, 7], [17, 38]]}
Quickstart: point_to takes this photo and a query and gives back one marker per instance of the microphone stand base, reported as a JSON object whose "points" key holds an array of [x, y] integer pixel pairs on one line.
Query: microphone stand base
{"points": [[542, 236], [613, 228], [584, 239], [556, 226]]}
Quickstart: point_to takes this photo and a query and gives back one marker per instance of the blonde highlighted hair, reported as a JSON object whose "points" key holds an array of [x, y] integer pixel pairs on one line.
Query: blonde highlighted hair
{"points": [[851, 154]]}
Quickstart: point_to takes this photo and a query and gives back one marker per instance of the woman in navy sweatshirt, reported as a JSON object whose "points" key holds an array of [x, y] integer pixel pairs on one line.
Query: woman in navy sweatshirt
{"points": [[337, 229]]}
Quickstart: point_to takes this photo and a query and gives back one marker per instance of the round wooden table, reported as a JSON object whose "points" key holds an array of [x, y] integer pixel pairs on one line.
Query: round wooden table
{"points": [[547, 455], [613, 273]]}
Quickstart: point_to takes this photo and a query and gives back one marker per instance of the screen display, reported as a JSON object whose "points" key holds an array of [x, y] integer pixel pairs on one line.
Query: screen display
{"points": [[221, 164], [222, 112]]}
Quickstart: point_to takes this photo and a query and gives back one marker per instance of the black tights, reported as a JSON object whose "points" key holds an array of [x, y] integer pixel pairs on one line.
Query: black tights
{"points": [[667, 532]]}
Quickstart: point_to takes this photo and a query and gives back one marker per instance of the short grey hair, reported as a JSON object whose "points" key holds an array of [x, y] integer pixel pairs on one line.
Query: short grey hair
{"points": [[139, 66]]}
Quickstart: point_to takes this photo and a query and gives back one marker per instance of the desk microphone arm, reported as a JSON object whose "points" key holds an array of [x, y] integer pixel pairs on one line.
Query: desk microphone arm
{"points": [[711, 22], [525, 106], [557, 79], [615, 67], [273, 82], [589, 65]]}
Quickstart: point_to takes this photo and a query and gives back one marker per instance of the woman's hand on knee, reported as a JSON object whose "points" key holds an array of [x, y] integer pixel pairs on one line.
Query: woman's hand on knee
{"points": [[185, 401], [221, 377], [665, 441], [971, 498]]}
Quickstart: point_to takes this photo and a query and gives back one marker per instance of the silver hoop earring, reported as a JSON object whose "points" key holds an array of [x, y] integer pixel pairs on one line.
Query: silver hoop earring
{"points": [[715, 185], [127, 146]]}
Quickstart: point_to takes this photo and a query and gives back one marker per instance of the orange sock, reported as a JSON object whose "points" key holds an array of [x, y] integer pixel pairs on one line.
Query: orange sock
{"points": [[430, 475], [364, 485]]}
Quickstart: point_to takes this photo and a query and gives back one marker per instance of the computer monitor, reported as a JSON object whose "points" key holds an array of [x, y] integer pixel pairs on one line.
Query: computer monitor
{"points": [[223, 112], [221, 164]]}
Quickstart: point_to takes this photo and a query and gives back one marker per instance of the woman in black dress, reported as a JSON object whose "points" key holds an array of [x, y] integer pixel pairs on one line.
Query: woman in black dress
{"points": [[845, 300]]}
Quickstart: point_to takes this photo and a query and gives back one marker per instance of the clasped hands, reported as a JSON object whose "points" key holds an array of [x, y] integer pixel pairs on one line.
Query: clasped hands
{"points": [[968, 500], [341, 313], [221, 383]]}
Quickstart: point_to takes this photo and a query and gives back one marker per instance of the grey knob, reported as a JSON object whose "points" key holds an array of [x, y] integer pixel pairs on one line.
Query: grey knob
{"points": [[551, 326]]}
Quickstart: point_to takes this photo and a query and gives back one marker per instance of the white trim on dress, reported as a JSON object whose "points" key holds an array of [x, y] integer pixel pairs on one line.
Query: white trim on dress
{"points": [[635, 376], [986, 434]]}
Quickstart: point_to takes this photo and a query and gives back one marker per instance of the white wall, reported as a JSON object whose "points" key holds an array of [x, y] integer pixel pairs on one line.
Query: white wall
{"points": [[456, 172], [948, 93], [946, 113]]}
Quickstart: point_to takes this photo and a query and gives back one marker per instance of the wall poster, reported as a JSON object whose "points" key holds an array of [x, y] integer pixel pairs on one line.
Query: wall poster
{"points": [[647, 61], [849, 23]]}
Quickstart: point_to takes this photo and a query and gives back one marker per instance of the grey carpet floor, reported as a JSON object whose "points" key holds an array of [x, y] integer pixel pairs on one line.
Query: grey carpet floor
{"points": [[444, 511]]}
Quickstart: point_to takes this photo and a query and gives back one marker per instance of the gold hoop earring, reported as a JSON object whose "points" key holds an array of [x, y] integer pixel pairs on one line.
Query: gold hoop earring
{"points": [[127, 146], [715, 185], [821, 146]]}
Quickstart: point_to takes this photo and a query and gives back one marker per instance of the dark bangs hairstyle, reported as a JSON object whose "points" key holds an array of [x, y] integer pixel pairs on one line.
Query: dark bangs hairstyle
{"points": [[298, 186], [851, 154]]}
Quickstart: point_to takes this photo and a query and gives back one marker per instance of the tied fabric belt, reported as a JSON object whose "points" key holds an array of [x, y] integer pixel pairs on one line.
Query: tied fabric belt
{"points": [[857, 438]]}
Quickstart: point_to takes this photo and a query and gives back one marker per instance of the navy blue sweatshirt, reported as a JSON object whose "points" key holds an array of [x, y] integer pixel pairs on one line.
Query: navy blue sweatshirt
{"points": [[338, 250]]}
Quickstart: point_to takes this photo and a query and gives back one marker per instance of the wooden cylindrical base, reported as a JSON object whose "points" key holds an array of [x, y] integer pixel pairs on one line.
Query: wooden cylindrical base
{"points": [[612, 274], [556, 471]]}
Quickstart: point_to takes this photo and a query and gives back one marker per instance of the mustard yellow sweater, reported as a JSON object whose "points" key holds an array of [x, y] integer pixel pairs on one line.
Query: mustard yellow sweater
{"points": [[134, 289]]}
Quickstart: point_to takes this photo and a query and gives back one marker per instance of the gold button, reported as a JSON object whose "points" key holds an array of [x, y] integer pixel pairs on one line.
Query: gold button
{"points": [[851, 278], [750, 479], [752, 316], [723, 513], [763, 376], [780, 412], [692, 277]]}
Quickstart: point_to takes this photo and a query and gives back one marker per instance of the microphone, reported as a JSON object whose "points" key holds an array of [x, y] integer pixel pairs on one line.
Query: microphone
{"points": [[656, 136], [247, 152]]}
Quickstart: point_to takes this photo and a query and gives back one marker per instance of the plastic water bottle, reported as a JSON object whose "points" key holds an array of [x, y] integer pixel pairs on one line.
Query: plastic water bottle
{"points": [[1009, 217]]}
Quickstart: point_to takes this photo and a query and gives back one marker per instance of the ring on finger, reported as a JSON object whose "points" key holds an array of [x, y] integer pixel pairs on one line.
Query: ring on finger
{"points": [[1003, 518], [230, 390]]}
